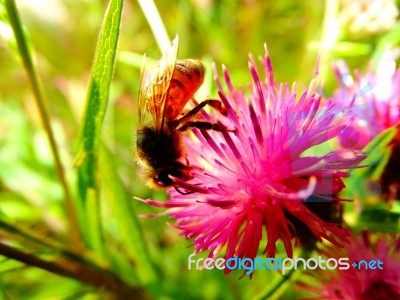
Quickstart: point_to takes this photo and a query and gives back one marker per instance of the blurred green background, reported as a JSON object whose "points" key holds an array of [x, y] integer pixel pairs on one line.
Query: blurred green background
{"points": [[63, 35]]}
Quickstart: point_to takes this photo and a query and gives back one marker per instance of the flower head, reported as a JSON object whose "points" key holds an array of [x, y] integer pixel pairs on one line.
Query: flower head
{"points": [[374, 103], [381, 281], [374, 100], [255, 184]]}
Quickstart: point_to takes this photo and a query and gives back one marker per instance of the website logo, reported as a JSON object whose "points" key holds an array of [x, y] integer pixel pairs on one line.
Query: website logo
{"points": [[280, 263]]}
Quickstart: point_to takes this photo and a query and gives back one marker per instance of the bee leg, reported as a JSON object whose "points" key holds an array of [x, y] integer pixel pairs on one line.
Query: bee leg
{"points": [[182, 193], [216, 104], [205, 125]]}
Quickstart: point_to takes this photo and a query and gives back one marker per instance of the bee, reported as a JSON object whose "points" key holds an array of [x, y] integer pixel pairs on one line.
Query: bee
{"points": [[162, 98]]}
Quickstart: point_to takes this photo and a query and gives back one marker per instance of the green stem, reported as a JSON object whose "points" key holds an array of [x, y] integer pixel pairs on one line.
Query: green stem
{"points": [[274, 287], [38, 93], [156, 24], [31, 238], [92, 275], [330, 34]]}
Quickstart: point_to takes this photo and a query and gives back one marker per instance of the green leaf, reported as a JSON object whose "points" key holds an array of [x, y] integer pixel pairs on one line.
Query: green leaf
{"points": [[379, 218], [96, 106], [128, 225], [135, 60], [378, 152], [343, 49], [25, 54]]}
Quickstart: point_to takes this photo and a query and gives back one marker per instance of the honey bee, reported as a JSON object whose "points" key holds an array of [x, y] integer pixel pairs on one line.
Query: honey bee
{"points": [[162, 98]]}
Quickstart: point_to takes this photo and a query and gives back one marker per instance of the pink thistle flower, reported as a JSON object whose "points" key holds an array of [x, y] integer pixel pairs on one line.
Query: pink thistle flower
{"points": [[357, 282], [259, 178], [374, 100]]}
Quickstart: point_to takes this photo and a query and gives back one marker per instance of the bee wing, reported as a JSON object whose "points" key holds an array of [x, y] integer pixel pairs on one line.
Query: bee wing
{"points": [[143, 91], [153, 94]]}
